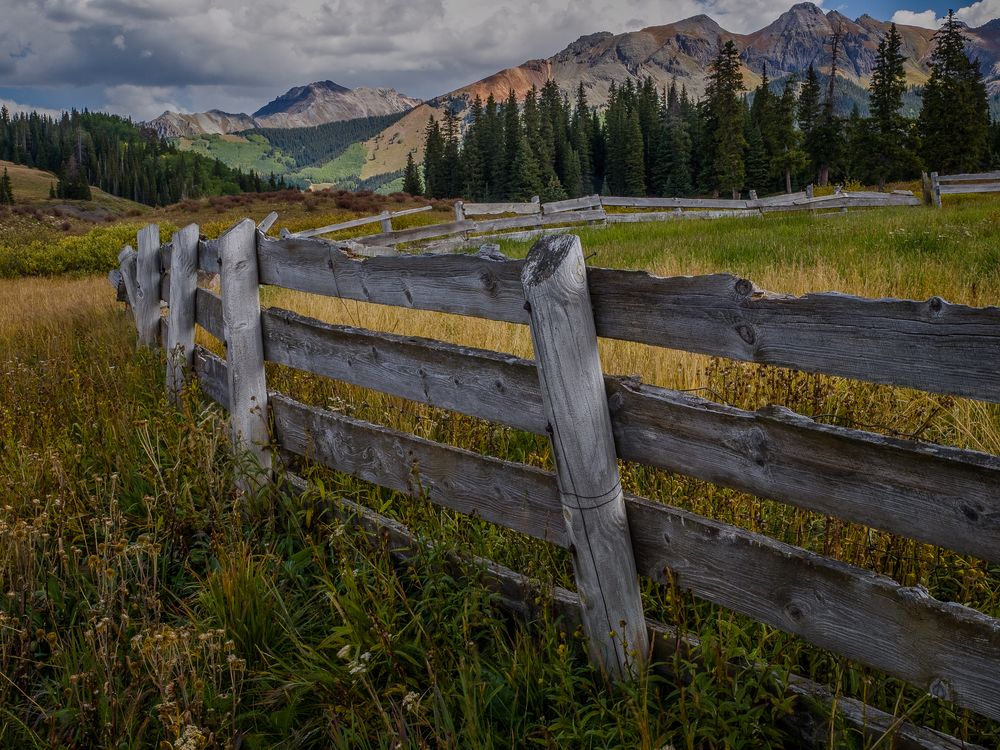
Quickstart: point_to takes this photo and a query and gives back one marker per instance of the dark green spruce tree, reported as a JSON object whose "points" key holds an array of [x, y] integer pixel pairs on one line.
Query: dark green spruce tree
{"points": [[725, 112], [887, 154], [954, 117], [6, 189], [411, 177]]}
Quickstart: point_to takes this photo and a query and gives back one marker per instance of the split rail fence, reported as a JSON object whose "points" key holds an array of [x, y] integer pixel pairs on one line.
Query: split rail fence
{"points": [[959, 184], [940, 495], [532, 218]]}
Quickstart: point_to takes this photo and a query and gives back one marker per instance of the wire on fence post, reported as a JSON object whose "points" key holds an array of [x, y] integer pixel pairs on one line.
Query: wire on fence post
{"points": [[579, 424]]}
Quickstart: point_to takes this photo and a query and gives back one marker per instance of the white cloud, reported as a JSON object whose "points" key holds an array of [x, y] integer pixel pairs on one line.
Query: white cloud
{"points": [[16, 107], [974, 15], [979, 13], [927, 19], [181, 53], [141, 102]]}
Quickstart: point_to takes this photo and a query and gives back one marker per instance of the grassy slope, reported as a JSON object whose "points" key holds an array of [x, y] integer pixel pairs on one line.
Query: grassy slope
{"points": [[346, 166], [247, 153], [136, 538]]}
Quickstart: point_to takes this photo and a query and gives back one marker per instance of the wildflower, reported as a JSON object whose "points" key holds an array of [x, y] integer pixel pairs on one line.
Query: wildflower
{"points": [[192, 738], [411, 702], [344, 652]]}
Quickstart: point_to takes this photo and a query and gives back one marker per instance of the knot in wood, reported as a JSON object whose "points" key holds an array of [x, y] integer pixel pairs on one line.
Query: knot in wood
{"points": [[489, 281], [744, 287], [746, 333], [936, 305]]}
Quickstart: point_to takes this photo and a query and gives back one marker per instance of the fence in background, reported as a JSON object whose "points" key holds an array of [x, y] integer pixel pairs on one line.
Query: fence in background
{"points": [[533, 218], [931, 493], [958, 184]]}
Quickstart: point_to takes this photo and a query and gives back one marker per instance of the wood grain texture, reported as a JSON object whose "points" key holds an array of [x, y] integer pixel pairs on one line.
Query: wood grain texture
{"points": [[572, 204], [208, 313], [212, 375], [980, 187], [511, 495], [465, 285], [245, 349], [147, 302], [931, 493], [965, 177], [267, 222], [576, 407], [950, 651], [127, 265], [489, 209], [486, 384], [932, 345], [628, 202], [182, 298], [885, 483]]}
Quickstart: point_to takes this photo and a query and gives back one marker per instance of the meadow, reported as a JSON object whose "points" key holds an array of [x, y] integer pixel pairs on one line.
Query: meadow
{"points": [[146, 603]]}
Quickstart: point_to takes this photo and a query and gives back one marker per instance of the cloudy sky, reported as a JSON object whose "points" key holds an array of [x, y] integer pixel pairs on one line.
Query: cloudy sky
{"points": [[140, 57]]}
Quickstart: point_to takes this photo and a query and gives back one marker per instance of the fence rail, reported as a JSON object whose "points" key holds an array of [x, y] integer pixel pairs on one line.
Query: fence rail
{"points": [[959, 184], [940, 495], [536, 216]]}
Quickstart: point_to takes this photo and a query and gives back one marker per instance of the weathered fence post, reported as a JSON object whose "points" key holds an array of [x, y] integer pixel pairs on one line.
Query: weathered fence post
{"points": [[127, 265], [183, 292], [809, 191], [147, 302], [267, 222], [244, 348], [576, 406], [936, 189], [459, 211], [385, 220]]}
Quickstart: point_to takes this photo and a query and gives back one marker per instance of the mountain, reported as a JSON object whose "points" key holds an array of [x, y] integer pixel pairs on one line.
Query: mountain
{"points": [[683, 51], [303, 106], [213, 122], [325, 101]]}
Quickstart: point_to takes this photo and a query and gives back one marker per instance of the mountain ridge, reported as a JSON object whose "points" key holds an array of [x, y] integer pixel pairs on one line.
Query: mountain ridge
{"points": [[313, 104], [682, 51]]}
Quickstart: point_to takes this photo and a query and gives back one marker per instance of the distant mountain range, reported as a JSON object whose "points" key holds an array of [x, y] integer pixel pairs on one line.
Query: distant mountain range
{"points": [[680, 51], [303, 106], [683, 51]]}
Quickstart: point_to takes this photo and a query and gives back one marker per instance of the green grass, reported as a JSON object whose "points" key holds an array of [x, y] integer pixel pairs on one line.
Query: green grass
{"points": [[145, 603], [346, 166], [252, 152]]}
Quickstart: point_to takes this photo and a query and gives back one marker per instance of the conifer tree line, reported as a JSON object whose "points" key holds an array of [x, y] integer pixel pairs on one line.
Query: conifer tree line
{"points": [[662, 142], [114, 154], [6, 189]]}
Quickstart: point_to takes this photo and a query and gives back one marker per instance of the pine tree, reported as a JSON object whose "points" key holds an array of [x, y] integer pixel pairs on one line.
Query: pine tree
{"points": [[411, 177], [451, 162], [887, 130], [726, 115], [526, 180], [6, 189], [954, 116], [633, 165], [434, 179], [788, 157], [757, 164]]}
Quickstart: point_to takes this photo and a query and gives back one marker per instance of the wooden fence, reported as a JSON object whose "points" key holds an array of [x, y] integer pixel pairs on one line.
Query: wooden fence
{"points": [[935, 494], [957, 184], [533, 218]]}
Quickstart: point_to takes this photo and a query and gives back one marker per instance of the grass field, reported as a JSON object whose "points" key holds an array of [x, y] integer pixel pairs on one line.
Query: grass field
{"points": [[251, 152], [147, 604]]}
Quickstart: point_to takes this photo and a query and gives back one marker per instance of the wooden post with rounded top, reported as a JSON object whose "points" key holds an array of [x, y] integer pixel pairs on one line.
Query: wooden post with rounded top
{"points": [[576, 406], [239, 279], [183, 292]]}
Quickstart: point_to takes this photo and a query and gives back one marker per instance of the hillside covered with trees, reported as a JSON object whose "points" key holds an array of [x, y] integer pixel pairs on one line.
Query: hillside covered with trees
{"points": [[662, 142], [114, 154]]}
